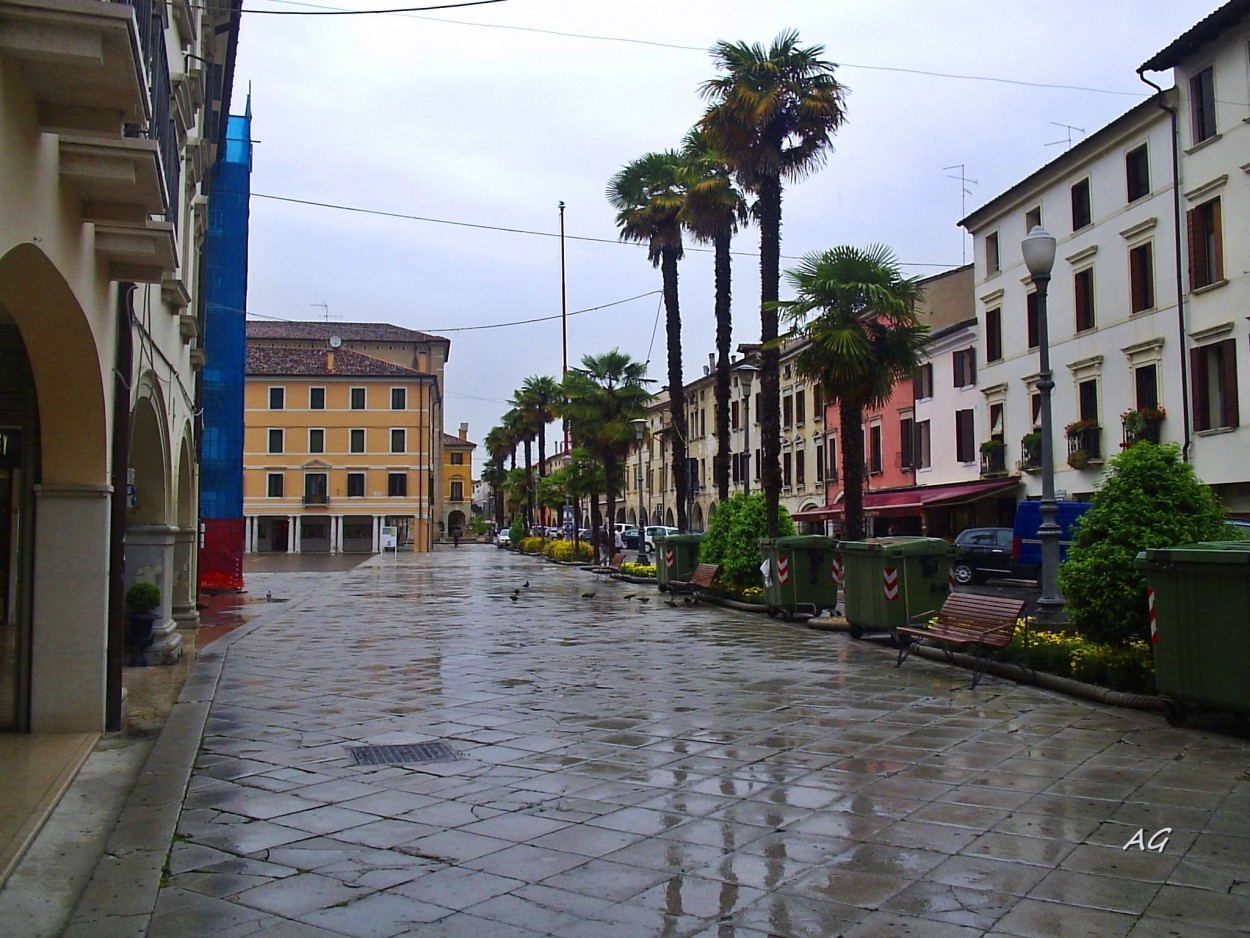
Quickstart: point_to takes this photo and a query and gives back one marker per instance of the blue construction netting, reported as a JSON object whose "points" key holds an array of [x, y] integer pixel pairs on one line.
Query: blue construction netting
{"points": [[225, 348]]}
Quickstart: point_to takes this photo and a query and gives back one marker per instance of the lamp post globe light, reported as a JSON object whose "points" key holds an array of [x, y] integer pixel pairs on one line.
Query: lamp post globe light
{"points": [[746, 376], [1038, 249], [640, 429]]}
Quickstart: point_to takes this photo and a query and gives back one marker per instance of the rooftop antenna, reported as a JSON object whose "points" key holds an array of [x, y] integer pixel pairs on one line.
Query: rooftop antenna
{"points": [[1069, 128], [964, 192], [325, 309]]}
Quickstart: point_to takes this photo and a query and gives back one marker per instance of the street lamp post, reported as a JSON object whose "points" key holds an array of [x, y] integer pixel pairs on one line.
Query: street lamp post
{"points": [[746, 376], [1039, 257], [640, 429]]}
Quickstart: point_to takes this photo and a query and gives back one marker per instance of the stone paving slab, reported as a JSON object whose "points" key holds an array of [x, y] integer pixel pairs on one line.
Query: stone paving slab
{"points": [[628, 769]]}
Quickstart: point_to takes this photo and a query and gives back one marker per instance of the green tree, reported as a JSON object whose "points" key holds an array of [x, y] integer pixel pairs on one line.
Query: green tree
{"points": [[601, 398], [540, 397], [1147, 497], [773, 113], [713, 211], [865, 337], [649, 195], [733, 537], [497, 448]]}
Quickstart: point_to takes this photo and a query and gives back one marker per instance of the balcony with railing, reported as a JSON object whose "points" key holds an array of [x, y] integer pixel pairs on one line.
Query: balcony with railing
{"points": [[993, 459], [1142, 424], [1084, 443], [1031, 452]]}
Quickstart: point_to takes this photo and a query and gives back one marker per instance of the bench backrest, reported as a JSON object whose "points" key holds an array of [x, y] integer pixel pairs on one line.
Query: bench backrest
{"points": [[977, 611], [704, 574], [617, 559]]}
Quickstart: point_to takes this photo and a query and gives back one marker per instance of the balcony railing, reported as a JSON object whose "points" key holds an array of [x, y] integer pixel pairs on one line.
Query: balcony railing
{"points": [[161, 125], [1031, 452], [1084, 445], [316, 498], [993, 459], [1142, 425]]}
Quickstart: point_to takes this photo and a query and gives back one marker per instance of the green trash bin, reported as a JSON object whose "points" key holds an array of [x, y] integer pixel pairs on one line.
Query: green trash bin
{"points": [[676, 556], [891, 581], [1199, 598], [802, 574]]}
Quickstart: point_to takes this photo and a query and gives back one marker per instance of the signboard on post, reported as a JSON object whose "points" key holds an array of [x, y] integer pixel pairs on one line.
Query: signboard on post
{"points": [[390, 537]]}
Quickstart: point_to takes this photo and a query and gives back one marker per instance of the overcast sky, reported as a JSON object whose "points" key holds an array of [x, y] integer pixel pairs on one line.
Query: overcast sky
{"points": [[438, 129]]}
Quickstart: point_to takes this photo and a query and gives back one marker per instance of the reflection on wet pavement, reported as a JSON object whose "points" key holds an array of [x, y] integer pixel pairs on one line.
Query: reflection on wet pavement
{"points": [[639, 770]]}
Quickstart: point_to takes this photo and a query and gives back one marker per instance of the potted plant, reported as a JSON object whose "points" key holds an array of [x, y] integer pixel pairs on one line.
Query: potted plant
{"points": [[142, 602], [1078, 459], [1031, 448]]}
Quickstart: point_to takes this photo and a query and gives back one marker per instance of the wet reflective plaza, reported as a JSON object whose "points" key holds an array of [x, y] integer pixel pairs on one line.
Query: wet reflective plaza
{"points": [[623, 768]]}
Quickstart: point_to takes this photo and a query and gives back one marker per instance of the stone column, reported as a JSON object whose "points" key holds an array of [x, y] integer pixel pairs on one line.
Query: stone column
{"points": [[184, 612], [336, 534], [150, 557], [377, 533], [292, 534], [69, 640], [249, 535]]}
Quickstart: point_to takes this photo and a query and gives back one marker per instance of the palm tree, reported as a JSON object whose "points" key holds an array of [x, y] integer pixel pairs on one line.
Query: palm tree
{"points": [[521, 430], [649, 195], [497, 447], [713, 211], [865, 337], [542, 397], [601, 398], [773, 113]]}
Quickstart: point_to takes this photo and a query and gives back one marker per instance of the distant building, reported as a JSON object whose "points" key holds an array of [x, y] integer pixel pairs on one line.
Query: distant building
{"points": [[457, 482]]}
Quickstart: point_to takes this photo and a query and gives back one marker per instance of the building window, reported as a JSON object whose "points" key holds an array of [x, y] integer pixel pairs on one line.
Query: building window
{"points": [[818, 403], [965, 443], [923, 460], [787, 411], [1137, 173], [965, 367], [1206, 245], [1202, 104], [1141, 277], [874, 449], [316, 441], [356, 440], [277, 398], [275, 441], [820, 464], [276, 480], [831, 472], [457, 459], [398, 441], [992, 262], [993, 335], [1146, 386], [1087, 400], [906, 443], [1214, 377], [1032, 219], [355, 485], [397, 484], [800, 407], [785, 470], [800, 468], [399, 398], [1031, 320], [1083, 298], [922, 383], [733, 415], [457, 490], [315, 488], [358, 399], [316, 398], [1081, 213]]}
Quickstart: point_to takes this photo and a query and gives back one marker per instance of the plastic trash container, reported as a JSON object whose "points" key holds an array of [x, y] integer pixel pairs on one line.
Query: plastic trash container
{"points": [[802, 574], [1199, 599], [676, 556], [891, 581]]}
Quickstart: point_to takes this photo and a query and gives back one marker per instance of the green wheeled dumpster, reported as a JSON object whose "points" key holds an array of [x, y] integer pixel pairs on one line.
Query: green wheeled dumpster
{"points": [[676, 556], [1199, 601], [801, 574], [891, 581]]}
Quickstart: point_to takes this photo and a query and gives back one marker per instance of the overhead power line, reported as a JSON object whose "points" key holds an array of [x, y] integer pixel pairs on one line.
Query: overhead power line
{"points": [[443, 6]]}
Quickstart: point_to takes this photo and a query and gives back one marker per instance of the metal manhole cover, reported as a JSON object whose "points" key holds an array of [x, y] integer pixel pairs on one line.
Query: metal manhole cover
{"points": [[403, 755]]}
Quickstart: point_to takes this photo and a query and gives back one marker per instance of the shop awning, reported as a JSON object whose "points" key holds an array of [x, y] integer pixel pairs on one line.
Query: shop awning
{"points": [[914, 500]]}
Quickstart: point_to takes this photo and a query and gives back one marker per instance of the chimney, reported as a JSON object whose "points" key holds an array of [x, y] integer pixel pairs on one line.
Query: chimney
{"points": [[464, 431], [711, 362], [330, 361]]}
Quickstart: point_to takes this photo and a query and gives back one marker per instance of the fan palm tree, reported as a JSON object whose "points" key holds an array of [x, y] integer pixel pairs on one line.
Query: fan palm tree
{"points": [[521, 430], [601, 398], [497, 447], [542, 396], [772, 115], [713, 211], [649, 195], [865, 337]]}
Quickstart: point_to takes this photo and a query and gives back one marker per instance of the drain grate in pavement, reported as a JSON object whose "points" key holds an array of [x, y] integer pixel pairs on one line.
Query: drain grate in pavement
{"points": [[403, 755]]}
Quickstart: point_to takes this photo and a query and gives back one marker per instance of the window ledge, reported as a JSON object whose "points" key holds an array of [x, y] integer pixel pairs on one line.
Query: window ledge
{"points": [[1207, 288], [1214, 431], [1203, 144]]}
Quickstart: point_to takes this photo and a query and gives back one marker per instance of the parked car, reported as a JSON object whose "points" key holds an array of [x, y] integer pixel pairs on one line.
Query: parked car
{"points": [[503, 538], [657, 531], [983, 553]]}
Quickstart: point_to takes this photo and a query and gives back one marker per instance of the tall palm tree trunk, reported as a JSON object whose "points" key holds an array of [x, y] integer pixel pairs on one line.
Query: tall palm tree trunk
{"points": [[851, 421], [610, 480], [529, 483], [676, 386], [724, 338], [770, 356]]}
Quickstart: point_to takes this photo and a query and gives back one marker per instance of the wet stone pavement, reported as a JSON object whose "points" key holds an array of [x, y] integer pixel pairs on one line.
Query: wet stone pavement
{"points": [[630, 769]]}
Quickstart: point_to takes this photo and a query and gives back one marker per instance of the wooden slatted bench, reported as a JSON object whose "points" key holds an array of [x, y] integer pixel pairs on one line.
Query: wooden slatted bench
{"points": [[692, 590], [969, 622], [611, 567]]}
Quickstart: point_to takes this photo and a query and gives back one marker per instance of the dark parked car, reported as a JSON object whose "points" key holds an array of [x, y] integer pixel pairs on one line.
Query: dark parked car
{"points": [[983, 553]]}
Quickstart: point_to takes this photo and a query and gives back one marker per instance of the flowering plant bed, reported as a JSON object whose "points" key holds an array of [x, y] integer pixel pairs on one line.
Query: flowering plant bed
{"points": [[1129, 668]]}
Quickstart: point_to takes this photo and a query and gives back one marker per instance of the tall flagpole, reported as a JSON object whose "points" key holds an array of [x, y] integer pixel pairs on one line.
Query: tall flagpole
{"points": [[564, 321]]}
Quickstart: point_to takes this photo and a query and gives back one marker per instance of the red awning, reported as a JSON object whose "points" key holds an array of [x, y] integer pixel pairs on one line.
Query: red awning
{"points": [[913, 501]]}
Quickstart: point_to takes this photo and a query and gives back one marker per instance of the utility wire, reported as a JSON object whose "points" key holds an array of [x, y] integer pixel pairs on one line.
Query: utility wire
{"points": [[444, 6]]}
